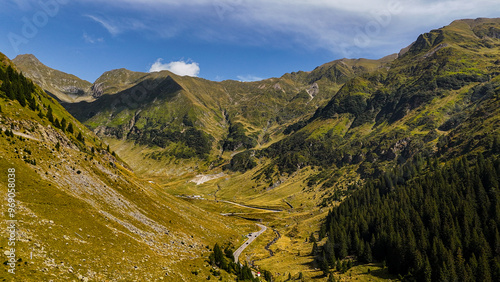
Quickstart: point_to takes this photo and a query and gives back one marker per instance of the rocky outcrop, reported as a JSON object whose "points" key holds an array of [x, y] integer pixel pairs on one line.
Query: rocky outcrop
{"points": [[97, 90], [313, 90]]}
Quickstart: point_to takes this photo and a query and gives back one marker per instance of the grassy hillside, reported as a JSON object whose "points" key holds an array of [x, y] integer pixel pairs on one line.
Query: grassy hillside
{"points": [[387, 116], [82, 214]]}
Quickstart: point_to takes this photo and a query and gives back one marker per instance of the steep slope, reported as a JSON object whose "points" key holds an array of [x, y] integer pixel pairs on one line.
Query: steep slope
{"points": [[393, 154], [390, 115], [81, 213], [65, 87], [308, 140]]}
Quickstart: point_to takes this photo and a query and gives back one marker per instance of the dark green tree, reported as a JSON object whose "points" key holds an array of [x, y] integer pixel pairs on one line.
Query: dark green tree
{"points": [[70, 128], [49, 115], [63, 124], [80, 137], [56, 123]]}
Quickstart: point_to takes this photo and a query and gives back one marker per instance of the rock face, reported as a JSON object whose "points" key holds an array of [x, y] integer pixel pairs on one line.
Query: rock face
{"points": [[97, 90], [313, 90]]}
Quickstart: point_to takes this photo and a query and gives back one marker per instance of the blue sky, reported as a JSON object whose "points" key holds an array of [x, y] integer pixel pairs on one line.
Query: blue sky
{"points": [[219, 39]]}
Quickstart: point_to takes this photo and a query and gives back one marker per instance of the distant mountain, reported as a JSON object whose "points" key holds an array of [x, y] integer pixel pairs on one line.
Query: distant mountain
{"points": [[340, 103], [115, 81], [65, 87], [169, 112]]}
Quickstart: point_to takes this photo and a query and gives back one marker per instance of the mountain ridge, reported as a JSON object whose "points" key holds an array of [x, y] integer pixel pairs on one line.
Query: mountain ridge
{"points": [[63, 86], [120, 90]]}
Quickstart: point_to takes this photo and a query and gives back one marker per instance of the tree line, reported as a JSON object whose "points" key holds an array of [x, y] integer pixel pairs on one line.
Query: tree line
{"points": [[15, 86], [426, 221]]}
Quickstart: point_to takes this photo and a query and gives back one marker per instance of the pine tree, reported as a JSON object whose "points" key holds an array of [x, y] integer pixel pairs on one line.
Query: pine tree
{"points": [[218, 255], [70, 128], [367, 253], [20, 95], [427, 271], [56, 123], [32, 103], [63, 124], [49, 115], [323, 263], [80, 137], [7, 88], [312, 239], [314, 249], [496, 144], [343, 248], [483, 271], [460, 266]]}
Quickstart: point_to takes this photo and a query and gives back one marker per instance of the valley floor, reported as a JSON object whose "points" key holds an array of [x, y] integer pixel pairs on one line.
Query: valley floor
{"points": [[281, 246]]}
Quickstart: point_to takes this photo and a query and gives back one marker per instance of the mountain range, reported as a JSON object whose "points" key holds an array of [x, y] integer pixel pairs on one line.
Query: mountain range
{"points": [[297, 143]]}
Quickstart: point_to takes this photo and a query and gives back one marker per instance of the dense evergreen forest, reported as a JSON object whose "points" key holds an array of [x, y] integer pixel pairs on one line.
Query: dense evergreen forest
{"points": [[17, 87], [426, 221]]}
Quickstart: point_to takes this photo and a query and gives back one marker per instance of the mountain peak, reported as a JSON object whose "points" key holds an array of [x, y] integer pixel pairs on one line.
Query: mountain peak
{"points": [[460, 33], [26, 58], [114, 81], [63, 86], [116, 73]]}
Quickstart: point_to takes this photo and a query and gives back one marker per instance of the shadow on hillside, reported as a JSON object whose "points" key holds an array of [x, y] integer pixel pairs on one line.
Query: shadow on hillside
{"points": [[382, 274], [313, 265]]}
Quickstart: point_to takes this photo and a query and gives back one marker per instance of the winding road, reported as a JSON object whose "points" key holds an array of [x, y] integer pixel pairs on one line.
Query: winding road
{"points": [[250, 207], [251, 238]]}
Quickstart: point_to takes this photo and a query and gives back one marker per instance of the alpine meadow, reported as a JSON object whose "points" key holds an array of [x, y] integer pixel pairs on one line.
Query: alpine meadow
{"points": [[359, 170]]}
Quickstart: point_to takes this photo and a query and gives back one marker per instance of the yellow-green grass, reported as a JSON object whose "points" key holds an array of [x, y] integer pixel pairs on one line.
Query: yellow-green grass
{"points": [[367, 272], [291, 253], [62, 233]]}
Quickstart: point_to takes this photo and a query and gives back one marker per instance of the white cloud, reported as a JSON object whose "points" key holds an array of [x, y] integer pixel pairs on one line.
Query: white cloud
{"points": [[179, 67], [111, 28], [345, 27], [249, 78], [92, 40]]}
